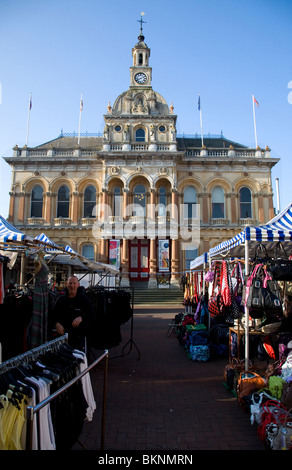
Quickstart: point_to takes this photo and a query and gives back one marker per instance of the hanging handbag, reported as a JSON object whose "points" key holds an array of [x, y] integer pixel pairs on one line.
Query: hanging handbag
{"points": [[282, 440], [210, 275], [280, 268], [263, 295], [248, 382], [215, 302]]}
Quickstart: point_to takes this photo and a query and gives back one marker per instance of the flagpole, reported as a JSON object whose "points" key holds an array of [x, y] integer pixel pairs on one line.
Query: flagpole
{"points": [[28, 118], [254, 122], [201, 121], [81, 107]]}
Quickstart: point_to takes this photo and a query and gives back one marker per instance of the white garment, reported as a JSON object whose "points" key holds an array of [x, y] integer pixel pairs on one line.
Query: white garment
{"points": [[45, 430], [86, 385]]}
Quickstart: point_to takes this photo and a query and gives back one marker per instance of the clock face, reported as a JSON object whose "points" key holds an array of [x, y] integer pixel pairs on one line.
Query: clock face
{"points": [[140, 77]]}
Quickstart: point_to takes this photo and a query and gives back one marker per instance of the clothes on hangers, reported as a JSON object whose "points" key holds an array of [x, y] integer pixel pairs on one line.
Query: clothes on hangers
{"points": [[15, 316], [57, 425], [112, 308]]}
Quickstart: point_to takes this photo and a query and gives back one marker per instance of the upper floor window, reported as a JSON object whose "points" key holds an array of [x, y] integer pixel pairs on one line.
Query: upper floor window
{"points": [[36, 202], [190, 255], [63, 198], [88, 252], [140, 135], [117, 202], [89, 201], [162, 201], [140, 200], [190, 203], [245, 203], [218, 206]]}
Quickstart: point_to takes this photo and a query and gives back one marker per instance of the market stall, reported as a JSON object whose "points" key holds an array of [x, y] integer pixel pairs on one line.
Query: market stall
{"points": [[245, 246]]}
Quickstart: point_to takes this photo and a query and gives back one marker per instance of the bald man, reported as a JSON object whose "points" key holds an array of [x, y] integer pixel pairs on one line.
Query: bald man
{"points": [[72, 314]]}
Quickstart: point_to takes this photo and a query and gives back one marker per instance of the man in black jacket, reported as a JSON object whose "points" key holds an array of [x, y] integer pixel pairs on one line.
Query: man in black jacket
{"points": [[73, 314]]}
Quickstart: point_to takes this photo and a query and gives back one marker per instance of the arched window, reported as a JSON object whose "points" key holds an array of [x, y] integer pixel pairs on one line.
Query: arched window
{"points": [[88, 252], [190, 255], [36, 202], [117, 202], [63, 198], [218, 209], [190, 203], [140, 135], [245, 203], [89, 201], [140, 200], [162, 201]]}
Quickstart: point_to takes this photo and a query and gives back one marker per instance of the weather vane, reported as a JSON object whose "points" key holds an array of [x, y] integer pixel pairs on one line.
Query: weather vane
{"points": [[141, 22]]}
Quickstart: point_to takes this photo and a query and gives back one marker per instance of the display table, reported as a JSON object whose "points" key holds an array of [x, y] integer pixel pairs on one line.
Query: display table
{"points": [[240, 333]]}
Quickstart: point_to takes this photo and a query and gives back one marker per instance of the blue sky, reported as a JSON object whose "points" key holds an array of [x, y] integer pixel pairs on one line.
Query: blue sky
{"points": [[225, 50]]}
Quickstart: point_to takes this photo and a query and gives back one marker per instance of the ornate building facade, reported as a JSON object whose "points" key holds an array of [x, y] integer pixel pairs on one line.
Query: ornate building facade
{"points": [[139, 195]]}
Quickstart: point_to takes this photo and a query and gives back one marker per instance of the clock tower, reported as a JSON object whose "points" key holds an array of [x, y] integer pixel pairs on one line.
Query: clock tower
{"points": [[141, 73], [140, 118]]}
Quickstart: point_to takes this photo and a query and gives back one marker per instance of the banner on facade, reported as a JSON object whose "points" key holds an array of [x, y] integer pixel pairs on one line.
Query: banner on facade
{"points": [[163, 256], [114, 253]]}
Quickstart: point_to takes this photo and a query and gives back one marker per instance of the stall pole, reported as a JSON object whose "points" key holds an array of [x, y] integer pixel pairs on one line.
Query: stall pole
{"points": [[246, 310], [105, 379]]}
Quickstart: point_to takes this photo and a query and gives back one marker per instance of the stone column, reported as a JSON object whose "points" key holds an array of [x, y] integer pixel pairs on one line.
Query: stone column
{"points": [[233, 200], [47, 207], [11, 206], [75, 204], [125, 280], [271, 207], [205, 208], [21, 207], [152, 283], [175, 276], [125, 202], [261, 209]]}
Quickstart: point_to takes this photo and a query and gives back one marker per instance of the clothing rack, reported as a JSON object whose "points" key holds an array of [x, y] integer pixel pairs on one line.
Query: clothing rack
{"points": [[32, 410], [32, 354], [131, 341]]}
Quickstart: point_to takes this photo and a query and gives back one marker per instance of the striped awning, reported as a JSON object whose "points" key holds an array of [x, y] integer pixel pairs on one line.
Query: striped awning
{"points": [[278, 229], [199, 261], [9, 233], [48, 243]]}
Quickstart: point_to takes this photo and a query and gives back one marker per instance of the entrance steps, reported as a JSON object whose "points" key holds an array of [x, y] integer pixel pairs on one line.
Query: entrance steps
{"points": [[158, 296]]}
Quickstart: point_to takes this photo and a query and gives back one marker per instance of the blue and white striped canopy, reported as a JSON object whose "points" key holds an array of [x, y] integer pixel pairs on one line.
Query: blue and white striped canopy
{"points": [[199, 261], [8, 233], [47, 241], [278, 229]]}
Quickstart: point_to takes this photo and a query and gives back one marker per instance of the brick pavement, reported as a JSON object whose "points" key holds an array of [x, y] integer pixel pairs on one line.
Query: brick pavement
{"points": [[164, 401]]}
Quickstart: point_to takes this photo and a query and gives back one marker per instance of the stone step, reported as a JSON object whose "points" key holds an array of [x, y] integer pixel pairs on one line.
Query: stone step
{"points": [[161, 296]]}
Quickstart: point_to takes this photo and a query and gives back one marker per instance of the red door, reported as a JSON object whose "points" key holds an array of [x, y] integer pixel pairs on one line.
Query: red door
{"points": [[139, 259]]}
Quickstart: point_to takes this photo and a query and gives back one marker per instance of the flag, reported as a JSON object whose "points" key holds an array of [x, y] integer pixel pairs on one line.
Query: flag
{"points": [[255, 101], [30, 102], [81, 103], [199, 103]]}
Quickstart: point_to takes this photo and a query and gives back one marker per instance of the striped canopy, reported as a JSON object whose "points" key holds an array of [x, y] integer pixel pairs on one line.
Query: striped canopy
{"points": [[47, 241], [199, 261], [278, 229], [8, 233]]}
